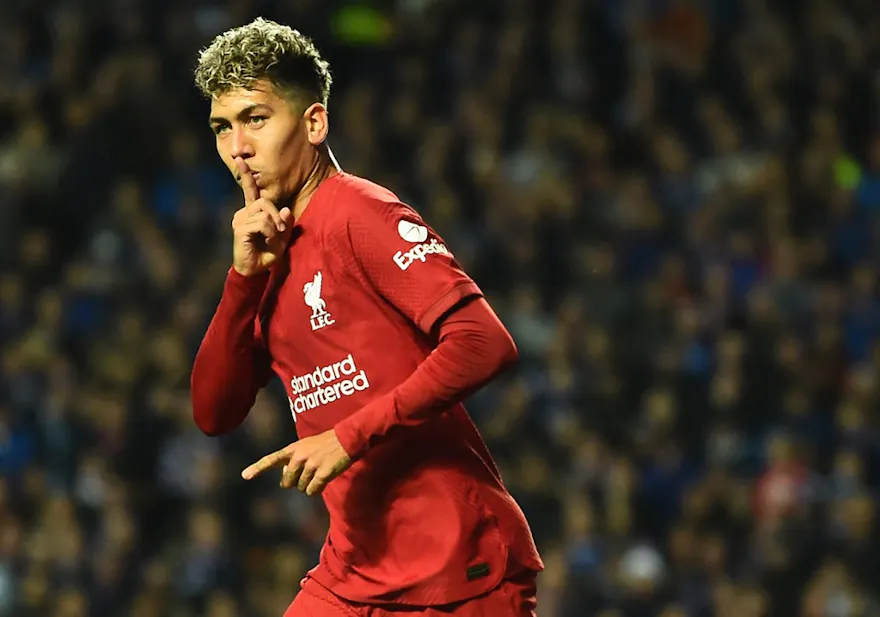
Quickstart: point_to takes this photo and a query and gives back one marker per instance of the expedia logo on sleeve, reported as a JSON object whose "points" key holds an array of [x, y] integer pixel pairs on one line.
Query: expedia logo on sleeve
{"points": [[412, 232], [418, 253]]}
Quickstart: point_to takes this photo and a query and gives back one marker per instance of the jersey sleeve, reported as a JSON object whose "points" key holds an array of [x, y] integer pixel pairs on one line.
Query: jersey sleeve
{"points": [[408, 263]]}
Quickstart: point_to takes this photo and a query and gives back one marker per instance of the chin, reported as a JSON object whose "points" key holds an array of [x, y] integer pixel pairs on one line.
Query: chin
{"points": [[270, 193], [280, 197]]}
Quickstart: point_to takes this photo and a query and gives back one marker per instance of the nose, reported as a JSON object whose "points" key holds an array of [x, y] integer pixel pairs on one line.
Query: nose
{"points": [[240, 144]]}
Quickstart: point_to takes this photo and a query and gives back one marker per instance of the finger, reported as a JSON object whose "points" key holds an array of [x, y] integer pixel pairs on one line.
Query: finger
{"points": [[286, 215], [306, 477], [267, 207], [246, 179], [268, 229], [262, 227], [267, 462], [291, 474], [317, 485]]}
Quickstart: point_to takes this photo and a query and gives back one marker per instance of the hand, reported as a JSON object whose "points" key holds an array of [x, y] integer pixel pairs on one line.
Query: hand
{"points": [[260, 230], [309, 463]]}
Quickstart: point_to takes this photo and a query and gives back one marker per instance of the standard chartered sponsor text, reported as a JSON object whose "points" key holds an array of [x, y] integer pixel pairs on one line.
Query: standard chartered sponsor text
{"points": [[326, 384]]}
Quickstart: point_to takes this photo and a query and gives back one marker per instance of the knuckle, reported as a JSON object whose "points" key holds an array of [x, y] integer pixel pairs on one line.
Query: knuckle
{"points": [[266, 206]]}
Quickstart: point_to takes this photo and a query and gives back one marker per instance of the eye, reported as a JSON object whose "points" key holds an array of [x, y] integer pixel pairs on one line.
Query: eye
{"points": [[220, 128], [257, 120]]}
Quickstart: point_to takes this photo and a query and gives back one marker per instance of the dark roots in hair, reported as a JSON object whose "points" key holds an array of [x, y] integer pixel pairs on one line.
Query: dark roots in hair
{"points": [[263, 49]]}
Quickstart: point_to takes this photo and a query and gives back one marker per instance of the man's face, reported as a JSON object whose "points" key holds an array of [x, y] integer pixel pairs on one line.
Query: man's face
{"points": [[263, 128]]}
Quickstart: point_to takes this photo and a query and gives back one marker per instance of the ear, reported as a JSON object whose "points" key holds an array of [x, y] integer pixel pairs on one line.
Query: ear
{"points": [[316, 122]]}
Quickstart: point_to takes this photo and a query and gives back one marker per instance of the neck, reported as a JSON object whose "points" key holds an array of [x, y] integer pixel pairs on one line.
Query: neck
{"points": [[325, 167]]}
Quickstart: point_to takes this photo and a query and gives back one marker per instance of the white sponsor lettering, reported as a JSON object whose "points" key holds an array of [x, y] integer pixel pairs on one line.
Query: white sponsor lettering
{"points": [[419, 253], [326, 384]]}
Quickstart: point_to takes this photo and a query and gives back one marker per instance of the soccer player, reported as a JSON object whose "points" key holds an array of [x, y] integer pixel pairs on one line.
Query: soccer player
{"points": [[378, 335]]}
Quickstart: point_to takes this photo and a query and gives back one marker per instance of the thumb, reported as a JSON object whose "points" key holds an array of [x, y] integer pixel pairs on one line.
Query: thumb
{"points": [[278, 244], [286, 215]]}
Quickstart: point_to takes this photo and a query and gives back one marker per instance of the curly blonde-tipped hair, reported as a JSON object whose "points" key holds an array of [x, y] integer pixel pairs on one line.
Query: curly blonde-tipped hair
{"points": [[263, 49]]}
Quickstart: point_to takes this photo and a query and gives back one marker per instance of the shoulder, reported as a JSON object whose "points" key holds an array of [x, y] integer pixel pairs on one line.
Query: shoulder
{"points": [[358, 202]]}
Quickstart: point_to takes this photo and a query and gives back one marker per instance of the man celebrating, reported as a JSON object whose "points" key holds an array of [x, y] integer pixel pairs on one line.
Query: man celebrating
{"points": [[378, 335]]}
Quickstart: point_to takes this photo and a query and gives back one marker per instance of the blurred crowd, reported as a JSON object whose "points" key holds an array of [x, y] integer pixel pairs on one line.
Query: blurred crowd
{"points": [[674, 205]]}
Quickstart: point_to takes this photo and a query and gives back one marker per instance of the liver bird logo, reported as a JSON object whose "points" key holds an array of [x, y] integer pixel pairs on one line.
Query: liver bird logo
{"points": [[313, 299]]}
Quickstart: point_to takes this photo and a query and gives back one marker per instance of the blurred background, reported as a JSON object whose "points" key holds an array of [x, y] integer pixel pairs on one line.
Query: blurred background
{"points": [[674, 205]]}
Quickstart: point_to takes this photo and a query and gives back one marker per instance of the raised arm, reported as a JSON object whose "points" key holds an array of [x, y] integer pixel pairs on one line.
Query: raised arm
{"points": [[231, 367]]}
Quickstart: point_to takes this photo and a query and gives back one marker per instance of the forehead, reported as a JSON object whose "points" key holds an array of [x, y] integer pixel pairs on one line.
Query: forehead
{"points": [[230, 103]]}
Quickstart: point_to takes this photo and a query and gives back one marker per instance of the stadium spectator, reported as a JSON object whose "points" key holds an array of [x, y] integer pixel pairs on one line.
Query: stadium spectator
{"points": [[673, 205]]}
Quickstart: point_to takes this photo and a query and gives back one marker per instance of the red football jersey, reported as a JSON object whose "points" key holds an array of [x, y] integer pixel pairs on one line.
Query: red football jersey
{"points": [[422, 518]]}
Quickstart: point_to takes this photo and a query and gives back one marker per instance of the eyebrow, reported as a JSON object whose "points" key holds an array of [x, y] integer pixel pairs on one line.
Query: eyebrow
{"points": [[241, 115]]}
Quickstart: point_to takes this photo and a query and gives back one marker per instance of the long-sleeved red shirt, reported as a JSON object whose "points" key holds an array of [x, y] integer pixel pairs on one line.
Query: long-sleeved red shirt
{"points": [[473, 346], [378, 334]]}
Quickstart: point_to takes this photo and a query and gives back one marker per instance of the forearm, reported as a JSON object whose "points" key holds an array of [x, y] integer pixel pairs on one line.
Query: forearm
{"points": [[473, 348], [230, 368]]}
